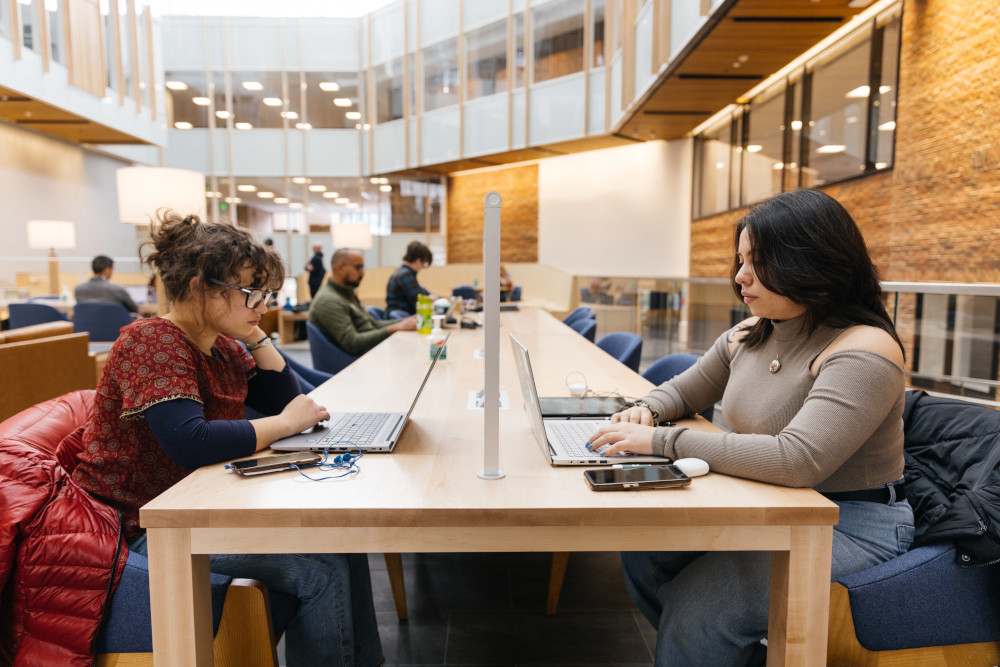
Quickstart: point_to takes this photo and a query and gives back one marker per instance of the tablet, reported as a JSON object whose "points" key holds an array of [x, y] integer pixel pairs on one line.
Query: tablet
{"points": [[587, 406]]}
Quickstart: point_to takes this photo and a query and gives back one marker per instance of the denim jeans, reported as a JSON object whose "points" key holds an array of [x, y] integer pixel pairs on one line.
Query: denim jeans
{"points": [[710, 608], [335, 623]]}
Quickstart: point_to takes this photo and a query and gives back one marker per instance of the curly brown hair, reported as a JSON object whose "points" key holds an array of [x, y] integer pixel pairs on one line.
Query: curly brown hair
{"points": [[183, 248]]}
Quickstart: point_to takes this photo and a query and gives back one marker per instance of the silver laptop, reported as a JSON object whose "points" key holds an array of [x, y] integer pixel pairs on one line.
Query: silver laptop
{"points": [[351, 431], [564, 439]]}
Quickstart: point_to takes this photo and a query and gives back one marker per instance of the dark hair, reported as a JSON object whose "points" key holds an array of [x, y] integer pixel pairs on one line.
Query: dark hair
{"points": [[806, 247], [186, 248], [101, 262], [417, 250]]}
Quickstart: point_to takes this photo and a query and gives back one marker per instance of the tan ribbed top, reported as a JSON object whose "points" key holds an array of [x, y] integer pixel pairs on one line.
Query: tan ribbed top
{"points": [[838, 430]]}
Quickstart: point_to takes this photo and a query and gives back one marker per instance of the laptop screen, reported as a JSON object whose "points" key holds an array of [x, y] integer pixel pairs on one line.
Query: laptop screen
{"points": [[529, 393]]}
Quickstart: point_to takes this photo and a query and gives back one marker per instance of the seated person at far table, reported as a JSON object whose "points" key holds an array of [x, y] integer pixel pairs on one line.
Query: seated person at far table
{"points": [[172, 399], [338, 312], [402, 289], [99, 287]]}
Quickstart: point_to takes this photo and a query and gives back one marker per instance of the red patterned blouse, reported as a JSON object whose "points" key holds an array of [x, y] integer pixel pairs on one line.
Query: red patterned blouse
{"points": [[153, 361]]}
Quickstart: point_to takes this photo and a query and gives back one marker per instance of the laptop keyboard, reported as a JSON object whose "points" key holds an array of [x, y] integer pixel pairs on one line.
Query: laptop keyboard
{"points": [[359, 428], [572, 436]]}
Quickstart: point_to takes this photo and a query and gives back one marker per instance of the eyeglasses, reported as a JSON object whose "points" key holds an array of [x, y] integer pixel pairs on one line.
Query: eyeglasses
{"points": [[255, 297]]}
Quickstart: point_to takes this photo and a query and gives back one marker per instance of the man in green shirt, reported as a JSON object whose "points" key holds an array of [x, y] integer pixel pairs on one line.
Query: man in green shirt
{"points": [[338, 312]]}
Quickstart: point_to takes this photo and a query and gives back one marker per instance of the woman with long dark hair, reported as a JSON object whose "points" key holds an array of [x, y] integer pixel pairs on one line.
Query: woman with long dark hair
{"points": [[813, 387]]}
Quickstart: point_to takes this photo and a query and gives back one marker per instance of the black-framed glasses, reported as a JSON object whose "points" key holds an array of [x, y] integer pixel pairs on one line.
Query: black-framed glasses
{"points": [[255, 297]]}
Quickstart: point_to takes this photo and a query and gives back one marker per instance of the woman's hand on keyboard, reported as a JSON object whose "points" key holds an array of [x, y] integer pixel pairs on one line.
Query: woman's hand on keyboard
{"points": [[622, 437], [303, 412]]}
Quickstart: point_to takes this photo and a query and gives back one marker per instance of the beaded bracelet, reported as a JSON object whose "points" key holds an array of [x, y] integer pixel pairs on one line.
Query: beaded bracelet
{"points": [[263, 342]]}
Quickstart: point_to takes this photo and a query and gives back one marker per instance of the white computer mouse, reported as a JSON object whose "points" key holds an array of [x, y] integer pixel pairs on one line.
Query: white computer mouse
{"points": [[692, 467]]}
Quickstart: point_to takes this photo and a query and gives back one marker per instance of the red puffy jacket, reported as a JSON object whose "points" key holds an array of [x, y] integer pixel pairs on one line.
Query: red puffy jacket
{"points": [[61, 551]]}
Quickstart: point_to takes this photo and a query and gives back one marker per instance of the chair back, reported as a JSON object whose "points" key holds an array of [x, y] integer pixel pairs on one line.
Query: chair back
{"points": [[26, 314], [586, 327], [666, 368], [309, 378], [376, 312], [327, 356], [101, 319], [515, 294], [581, 312], [624, 346], [465, 291]]}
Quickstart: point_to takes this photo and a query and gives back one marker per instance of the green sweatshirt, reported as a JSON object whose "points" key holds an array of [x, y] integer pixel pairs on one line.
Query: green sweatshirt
{"points": [[338, 312]]}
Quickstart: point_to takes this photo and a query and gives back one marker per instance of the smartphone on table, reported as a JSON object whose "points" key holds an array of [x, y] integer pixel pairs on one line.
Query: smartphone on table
{"points": [[639, 477], [266, 464]]}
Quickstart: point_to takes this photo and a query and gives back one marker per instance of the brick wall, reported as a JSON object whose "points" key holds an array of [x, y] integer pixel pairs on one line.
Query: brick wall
{"points": [[519, 214], [934, 217]]}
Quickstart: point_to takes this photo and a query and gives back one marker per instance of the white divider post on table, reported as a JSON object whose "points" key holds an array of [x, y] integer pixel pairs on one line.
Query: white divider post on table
{"points": [[491, 325]]}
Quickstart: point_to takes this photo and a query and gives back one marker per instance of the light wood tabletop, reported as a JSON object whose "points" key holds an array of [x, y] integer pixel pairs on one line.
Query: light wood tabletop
{"points": [[427, 497]]}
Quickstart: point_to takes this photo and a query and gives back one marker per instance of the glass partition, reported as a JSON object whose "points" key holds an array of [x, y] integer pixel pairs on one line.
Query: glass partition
{"points": [[389, 90], [486, 58], [188, 100], [441, 80], [884, 110], [762, 162], [597, 20], [56, 31], [5, 20], [125, 52], [322, 90], [557, 33], [28, 10]]}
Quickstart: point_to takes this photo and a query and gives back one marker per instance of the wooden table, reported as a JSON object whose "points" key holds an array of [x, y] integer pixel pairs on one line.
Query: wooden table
{"points": [[426, 497], [286, 324]]}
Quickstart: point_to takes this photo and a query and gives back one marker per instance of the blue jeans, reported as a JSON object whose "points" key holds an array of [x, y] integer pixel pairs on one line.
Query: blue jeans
{"points": [[710, 608], [335, 623]]}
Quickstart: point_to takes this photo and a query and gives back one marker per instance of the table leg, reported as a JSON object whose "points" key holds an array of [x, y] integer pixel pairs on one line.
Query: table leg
{"points": [[180, 600], [800, 598]]}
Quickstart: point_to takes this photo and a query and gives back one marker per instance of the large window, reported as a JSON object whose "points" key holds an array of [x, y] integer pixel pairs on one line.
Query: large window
{"points": [[389, 90], [486, 55], [332, 100], [762, 158], [714, 167], [883, 120], [29, 23], [56, 33], [188, 99], [558, 39], [597, 9], [441, 75]]}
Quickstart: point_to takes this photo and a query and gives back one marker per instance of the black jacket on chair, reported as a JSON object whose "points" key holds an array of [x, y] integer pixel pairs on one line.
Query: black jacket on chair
{"points": [[952, 452]]}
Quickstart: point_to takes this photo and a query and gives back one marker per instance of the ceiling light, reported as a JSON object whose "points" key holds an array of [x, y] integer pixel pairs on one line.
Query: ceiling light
{"points": [[266, 195], [385, 188], [253, 85], [366, 126], [213, 194], [300, 180], [720, 165], [182, 125], [373, 180], [233, 200], [831, 148], [342, 200], [329, 86], [281, 200], [303, 126], [353, 115], [317, 188], [851, 120], [884, 89], [244, 126], [247, 188], [777, 166], [881, 165], [176, 85], [223, 115], [331, 195], [290, 115], [295, 204], [743, 58], [888, 127], [860, 91], [352, 204], [357, 126], [754, 148], [383, 181], [342, 102], [273, 101], [202, 101], [796, 125]]}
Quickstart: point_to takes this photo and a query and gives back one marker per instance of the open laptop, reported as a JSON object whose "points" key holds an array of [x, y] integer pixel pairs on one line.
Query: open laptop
{"points": [[351, 431], [563, 440]]}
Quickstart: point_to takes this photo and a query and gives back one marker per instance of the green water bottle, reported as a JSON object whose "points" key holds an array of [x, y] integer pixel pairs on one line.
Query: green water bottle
{"points": [[424, 310]]}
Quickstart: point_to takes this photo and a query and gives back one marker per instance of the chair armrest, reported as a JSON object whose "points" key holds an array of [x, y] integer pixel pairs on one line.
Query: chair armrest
{"points": [[923, 598]]}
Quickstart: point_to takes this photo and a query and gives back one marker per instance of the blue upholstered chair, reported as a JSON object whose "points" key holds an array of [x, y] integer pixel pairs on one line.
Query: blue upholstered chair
{"points": [[309, 378], [665, 368], [586, 327], [376, 312], [582, 312], [398, 315], [26, 314], [102, 320], [624, 346], [515, 294], [327, 356], [465, 292]]}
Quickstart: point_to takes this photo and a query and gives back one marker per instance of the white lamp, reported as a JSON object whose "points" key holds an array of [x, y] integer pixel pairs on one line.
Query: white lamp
{"points": [[142, 191], [51, 234], [351, 236]]}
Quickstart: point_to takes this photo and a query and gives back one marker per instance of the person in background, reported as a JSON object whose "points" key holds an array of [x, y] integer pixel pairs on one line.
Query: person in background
{"points": [[315, 269], [171, 399], [813, 386], [402, 289], [506, 282], [338, 312], [100, 287]]}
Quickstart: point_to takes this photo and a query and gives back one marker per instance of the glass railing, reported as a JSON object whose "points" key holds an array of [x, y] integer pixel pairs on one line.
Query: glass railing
{"points": [[950, 331]]}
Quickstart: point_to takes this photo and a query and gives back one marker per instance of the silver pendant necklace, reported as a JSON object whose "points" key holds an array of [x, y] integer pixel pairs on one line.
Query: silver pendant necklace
{"points": [[775, 363]]}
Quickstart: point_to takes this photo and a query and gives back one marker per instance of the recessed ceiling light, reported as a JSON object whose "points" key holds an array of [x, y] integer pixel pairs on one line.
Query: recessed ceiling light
{"points": [[202, 101], [796, 125], [754, 148], [329, 86], [860, 91], [831, 148], [233, 200], [888, 126], [342, 101], [290, 115], [366, 126], [300, 180], [353, 115], [247, 188], [244, 126], [295, 204], [385, 188], [281, 200], [881, 165], [303, 126], [182, 125], [342, 200], [317, 188], [266, 195], [273, 101], [253, 85], [223, 114], [176, 85], [331, 195]]}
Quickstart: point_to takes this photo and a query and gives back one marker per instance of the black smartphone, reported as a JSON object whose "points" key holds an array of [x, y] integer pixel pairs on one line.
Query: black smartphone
{"points": [[267, 464], [640, 477]]}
